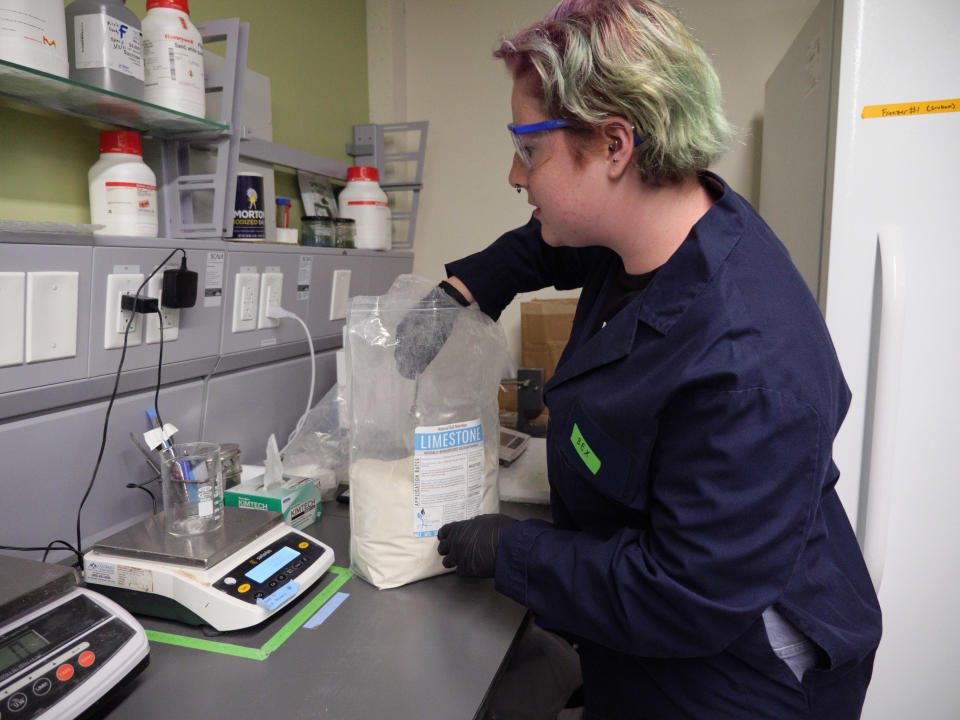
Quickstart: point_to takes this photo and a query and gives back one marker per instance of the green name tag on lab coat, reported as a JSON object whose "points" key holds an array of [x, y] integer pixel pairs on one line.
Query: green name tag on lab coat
{"points": [[583, 450]]}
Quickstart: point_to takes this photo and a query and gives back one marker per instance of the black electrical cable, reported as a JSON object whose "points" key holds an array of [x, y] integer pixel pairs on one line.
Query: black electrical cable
{"points": [[113, 397], [156, 393]]}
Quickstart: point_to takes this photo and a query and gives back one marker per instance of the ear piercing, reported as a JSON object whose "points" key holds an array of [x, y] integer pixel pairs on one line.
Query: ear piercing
{"points": [[517, 188]]}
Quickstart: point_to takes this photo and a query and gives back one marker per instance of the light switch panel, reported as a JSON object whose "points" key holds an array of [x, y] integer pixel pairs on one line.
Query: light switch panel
{"points": [[51, 328], [11, 318]]}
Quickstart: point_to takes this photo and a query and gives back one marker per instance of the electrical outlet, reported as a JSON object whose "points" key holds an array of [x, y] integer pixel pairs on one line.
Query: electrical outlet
{"points": [[171, 316], [115, 318], [271, 290], [246, 290]]}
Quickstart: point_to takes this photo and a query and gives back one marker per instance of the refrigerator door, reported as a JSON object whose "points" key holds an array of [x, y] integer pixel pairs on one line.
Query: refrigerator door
{"points": [[896, 149]]}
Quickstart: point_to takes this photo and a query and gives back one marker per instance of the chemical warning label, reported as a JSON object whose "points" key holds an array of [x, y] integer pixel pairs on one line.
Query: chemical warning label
{"points": [[447, 475]]}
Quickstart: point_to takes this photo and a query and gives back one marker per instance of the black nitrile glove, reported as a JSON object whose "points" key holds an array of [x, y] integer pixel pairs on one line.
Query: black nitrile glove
{"points": [[424, 330], [471, 545]]}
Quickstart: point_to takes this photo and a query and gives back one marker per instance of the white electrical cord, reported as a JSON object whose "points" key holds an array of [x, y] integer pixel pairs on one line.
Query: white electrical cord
{"points": [[276, 312]]}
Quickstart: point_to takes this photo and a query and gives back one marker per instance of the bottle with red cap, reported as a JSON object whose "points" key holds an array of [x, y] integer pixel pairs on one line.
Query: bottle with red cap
{"points": [[364, 201], [123, 190], [173, 58]]}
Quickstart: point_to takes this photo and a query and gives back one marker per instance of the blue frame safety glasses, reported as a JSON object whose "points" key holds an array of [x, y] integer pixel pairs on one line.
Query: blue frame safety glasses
{"points": [[533, 146], [531, 141]]}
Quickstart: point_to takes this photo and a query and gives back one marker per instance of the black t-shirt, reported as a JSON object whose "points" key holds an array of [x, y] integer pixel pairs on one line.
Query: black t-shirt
{"points": [[625, 288]]}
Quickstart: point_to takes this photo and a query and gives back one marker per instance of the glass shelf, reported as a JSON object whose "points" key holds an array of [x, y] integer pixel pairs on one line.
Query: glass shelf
{"points": [[57, 93]]}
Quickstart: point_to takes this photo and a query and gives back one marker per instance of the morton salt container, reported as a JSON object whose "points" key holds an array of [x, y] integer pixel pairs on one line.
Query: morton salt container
{"points": [[33, 33], [249, 217], [123, 190], [173, 58], [364, 201], [105, 46]]}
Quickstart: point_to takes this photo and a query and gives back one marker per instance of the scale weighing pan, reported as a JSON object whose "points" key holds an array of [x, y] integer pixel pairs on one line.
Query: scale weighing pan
{"points": [[235, 577]]}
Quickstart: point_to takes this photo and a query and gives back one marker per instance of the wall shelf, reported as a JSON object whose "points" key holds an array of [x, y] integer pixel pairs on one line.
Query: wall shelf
{"points": [[275, 154], [74, 98]]}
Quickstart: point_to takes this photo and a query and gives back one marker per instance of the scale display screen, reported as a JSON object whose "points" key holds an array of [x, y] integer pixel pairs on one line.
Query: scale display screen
{"points": [[273, 563], [20, 648]]}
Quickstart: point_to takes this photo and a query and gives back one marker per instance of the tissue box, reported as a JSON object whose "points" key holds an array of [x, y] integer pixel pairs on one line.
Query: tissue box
{"points": [[299, 502]]}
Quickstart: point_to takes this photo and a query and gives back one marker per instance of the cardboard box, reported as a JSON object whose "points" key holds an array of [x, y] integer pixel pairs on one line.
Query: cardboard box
{"points": [[545, 329], [300, 504]]}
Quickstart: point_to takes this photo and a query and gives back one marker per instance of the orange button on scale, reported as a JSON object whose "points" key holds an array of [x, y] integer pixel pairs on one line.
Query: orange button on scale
{"points": [[64, 672], [303, 545], [243, 588], [86, 659]]}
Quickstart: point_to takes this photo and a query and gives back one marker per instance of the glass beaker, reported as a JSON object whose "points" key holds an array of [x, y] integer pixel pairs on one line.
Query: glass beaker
{"points": [[192, 488]]}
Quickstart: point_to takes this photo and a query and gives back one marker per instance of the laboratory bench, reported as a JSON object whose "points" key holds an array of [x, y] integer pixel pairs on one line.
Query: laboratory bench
{"points": [[430, 649]]}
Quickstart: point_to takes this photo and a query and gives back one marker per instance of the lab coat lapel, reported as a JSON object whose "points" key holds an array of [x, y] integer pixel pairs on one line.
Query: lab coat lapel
{"points": [[675, 286], [610, 343]]}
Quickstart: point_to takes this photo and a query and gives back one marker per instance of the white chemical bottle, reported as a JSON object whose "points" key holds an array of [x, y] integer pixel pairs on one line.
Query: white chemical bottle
{"points": [[123, 190], [364, 201], [173, 58], [33, 33]]}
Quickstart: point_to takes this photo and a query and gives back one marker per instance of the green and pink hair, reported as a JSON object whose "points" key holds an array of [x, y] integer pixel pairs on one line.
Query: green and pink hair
{"points": [[592, 59]]}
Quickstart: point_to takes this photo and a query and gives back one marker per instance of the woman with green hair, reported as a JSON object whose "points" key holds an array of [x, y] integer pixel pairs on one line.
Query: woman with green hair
{"points": [[699, 557]]}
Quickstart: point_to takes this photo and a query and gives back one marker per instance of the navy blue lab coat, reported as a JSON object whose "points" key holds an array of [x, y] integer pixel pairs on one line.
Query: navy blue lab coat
{"points": [[692, 484]]}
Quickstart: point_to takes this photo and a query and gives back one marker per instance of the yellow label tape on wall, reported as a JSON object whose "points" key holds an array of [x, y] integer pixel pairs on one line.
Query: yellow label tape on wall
{"points": [[915, 108]]}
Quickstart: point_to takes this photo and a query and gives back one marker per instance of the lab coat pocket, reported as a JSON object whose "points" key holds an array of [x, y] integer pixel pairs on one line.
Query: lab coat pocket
{"points": [[590, 453]]}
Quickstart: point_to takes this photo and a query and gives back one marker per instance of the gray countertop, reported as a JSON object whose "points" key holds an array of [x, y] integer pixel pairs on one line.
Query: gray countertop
{"points": [[427, 650]]}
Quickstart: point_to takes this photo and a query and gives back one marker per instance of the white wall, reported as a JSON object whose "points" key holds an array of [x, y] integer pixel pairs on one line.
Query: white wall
{"points": [[431, 60]]}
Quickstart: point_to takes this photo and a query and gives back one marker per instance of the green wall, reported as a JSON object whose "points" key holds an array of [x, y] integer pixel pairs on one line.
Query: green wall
{"points": [[313, 51]]}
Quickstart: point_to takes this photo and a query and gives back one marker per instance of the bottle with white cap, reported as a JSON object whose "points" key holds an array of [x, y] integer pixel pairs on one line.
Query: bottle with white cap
{"points": [[123, 190], [173, 58], [364, 201]]}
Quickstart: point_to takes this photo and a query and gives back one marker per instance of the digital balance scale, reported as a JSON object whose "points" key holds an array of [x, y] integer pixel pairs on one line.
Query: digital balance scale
{"points": [[64, 650], [231, 578]]}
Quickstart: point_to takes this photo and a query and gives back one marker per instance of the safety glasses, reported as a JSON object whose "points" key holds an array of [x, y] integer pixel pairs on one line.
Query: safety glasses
{"points": [[532, 141]]}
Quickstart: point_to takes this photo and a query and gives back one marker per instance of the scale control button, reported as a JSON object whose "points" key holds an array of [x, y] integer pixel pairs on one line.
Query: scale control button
{"points": [[86, 659], [17, 702], [42, 686], [64, 672], [259, 595], [297, 564], [229, 581], [243, 588], [272, 583], [281, 577], [303, 545]]}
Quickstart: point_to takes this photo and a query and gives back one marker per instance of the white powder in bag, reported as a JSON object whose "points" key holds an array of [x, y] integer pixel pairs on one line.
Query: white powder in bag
{"points": [[384, 547]]}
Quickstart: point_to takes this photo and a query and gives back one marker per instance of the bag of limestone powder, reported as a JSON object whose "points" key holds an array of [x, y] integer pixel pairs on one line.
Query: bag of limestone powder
{"points": [[424, 425]]}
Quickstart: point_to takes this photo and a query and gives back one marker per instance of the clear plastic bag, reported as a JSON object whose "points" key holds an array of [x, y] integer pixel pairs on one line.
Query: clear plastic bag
{"points": [[424, 433], [320, 448]]}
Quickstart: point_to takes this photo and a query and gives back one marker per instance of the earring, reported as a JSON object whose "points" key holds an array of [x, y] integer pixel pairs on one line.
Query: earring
{"points": [[615, 159], [517, 188]]}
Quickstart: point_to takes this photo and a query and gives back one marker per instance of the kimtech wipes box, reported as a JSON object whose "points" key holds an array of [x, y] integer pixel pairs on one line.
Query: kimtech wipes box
{"points": [[298, 499]]}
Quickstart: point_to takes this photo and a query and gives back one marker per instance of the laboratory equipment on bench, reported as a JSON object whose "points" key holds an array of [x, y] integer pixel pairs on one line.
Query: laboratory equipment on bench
{"points": [[65, 651], [529, 382], [234, 577], [512, 445]]}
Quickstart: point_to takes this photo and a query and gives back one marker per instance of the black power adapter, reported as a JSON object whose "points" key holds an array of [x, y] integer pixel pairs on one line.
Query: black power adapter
{"points": [[142, 305], [179, 287]]}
